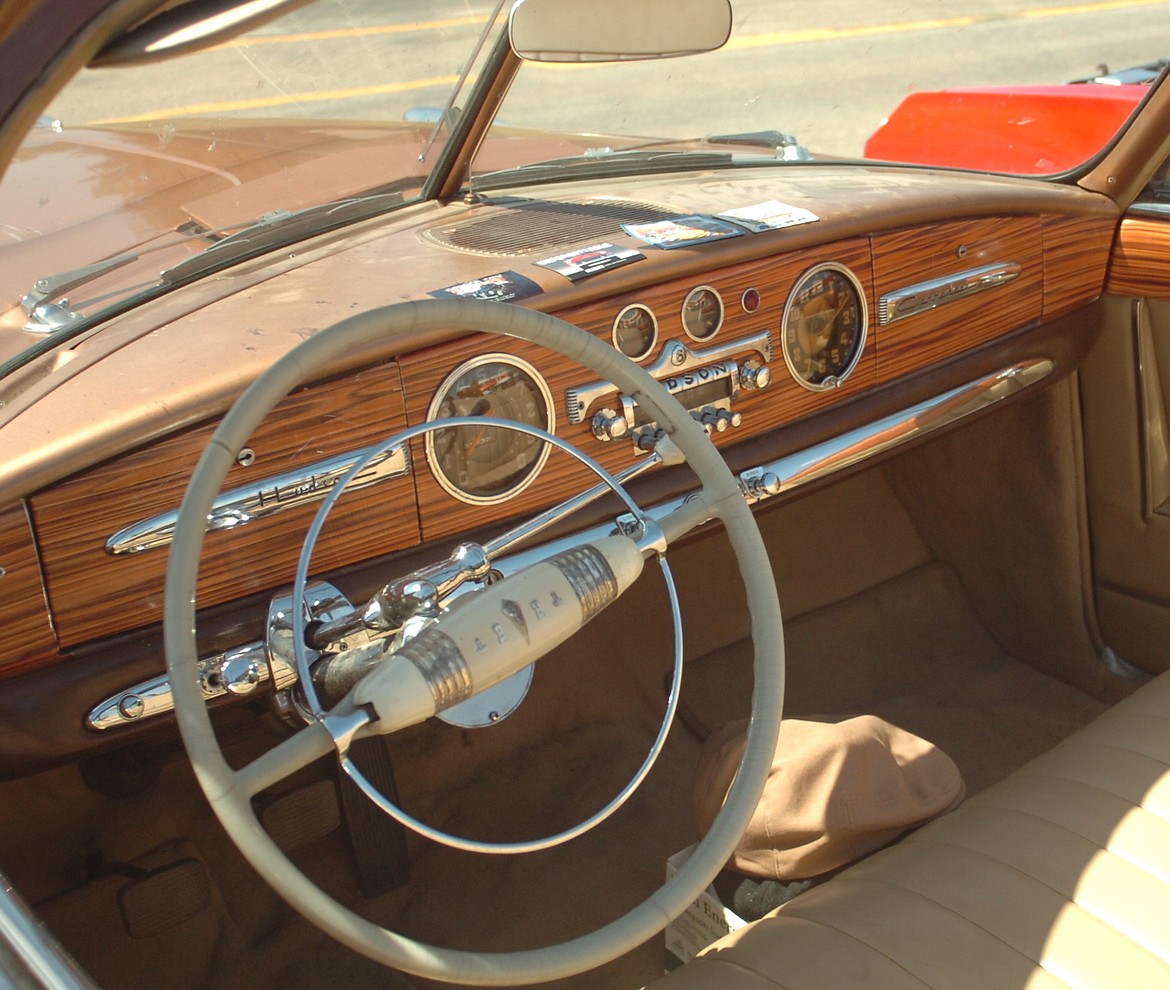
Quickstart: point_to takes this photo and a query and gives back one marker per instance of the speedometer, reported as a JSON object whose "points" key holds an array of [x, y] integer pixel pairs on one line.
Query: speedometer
{"points": [[824, 326], [487, 464]]}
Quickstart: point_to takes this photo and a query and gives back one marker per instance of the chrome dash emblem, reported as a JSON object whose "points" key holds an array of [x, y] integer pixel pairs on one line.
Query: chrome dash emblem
{"points": [[925, 296], [268, 497]]}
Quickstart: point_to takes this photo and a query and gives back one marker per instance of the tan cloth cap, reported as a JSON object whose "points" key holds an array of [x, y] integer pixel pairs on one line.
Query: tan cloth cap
{"points": [[836, 792]]}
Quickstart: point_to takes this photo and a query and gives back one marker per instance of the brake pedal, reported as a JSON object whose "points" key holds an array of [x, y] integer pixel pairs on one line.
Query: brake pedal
{"points": [[302, 816]]}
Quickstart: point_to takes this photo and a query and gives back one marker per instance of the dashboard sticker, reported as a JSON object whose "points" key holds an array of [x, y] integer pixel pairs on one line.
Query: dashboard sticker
{"points": [[581, 262], [683, 231], [772, 215], [501, 287]]}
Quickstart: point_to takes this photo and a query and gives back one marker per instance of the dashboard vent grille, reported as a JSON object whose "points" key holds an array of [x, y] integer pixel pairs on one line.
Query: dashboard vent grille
{"points": [[529, 226]]}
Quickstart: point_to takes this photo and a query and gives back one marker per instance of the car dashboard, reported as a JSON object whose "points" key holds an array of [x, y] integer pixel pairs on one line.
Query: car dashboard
{"points": [[884, 304]]}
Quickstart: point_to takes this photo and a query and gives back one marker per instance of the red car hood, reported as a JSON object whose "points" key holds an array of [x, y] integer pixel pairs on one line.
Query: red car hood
{"points": [[1020, 129]]}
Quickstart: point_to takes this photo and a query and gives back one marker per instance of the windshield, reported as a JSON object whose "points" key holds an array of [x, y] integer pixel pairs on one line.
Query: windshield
{"points": [[143, 177], [1017, 87]]}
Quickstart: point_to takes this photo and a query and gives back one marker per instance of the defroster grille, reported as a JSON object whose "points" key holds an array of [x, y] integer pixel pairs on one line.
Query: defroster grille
{"points": [[530, 226]]}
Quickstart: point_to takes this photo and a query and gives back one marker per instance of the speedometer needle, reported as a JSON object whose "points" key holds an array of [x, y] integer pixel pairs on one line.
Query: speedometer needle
{"points": [[481, 408]]}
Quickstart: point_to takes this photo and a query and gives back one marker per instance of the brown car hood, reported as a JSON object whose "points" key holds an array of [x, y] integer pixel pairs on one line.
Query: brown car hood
{"points": [[137, 187], [123, 189]]}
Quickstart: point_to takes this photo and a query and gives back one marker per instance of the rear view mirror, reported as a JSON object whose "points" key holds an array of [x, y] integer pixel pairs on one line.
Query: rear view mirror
{"points": [[617, 30]]}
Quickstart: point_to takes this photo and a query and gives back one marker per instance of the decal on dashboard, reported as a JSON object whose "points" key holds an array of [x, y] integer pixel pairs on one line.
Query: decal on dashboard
{"points": [[501, 287], [581, 262], [683, 231], [771, 215]]}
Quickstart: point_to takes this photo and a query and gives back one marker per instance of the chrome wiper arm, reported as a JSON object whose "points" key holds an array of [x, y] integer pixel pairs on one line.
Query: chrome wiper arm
{"points": [[49, 311], [53, 286], [59, 324], [786, 146]]}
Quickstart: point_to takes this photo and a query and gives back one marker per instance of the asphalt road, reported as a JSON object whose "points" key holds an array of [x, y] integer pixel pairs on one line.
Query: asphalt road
{"points": [[826, 71]]}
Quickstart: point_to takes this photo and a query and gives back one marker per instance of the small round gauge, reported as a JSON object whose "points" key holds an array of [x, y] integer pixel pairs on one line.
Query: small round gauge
{"points": [[824, 326], [702, 313], [635, 331], [484, 465]]}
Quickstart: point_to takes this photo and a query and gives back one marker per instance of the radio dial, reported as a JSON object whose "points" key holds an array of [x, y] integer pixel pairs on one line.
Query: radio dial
{"points": [[754, 375]]}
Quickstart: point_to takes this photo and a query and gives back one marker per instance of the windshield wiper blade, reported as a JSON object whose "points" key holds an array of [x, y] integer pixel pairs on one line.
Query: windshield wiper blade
{"points": [[45, 303], [278, 229], [786, 146]]}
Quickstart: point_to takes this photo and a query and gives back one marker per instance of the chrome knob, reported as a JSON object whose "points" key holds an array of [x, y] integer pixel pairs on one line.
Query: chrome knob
{"points": [[760, 484], [754, 375], [712, 421], [239, 674], [609, 425]]}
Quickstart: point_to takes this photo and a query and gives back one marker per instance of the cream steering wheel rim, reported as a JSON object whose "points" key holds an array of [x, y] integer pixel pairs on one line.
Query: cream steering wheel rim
{"points": [[222, 785]]}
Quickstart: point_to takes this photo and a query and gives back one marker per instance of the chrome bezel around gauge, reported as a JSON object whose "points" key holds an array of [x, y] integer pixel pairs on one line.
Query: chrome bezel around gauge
{"points": [[837, 378], [641, 308], [713, 293], [546, 422]]}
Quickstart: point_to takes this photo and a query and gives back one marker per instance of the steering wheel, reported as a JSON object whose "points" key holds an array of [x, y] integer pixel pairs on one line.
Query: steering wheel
{"points": [[378, 709]]}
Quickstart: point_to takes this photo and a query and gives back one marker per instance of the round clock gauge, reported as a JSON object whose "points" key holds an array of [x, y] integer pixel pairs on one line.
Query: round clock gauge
{"points": [[824, 326]]}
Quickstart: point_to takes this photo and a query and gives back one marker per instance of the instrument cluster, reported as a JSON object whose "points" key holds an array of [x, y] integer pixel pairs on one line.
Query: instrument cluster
{"points": [[822, 333]]}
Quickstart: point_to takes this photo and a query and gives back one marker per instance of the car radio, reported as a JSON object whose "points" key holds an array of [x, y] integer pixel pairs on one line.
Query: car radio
{"points": [[706, 382]]}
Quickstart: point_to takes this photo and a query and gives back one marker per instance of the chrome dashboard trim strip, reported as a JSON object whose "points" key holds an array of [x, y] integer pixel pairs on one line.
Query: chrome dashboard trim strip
{"points": [[1149, 208], [266, 498], [920, 420], [925, 296]]}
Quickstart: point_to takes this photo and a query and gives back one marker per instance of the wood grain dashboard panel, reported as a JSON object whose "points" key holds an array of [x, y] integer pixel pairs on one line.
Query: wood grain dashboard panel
{"points": [[1140, 256], [1076, 258], [28, 634], [920, 255], [94, 593]]}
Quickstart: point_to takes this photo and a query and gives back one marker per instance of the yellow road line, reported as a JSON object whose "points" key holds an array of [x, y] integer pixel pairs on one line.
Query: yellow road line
{"points": [[356, 32], [780, 39], [832, 34], [317, 96], [1086, 8]]}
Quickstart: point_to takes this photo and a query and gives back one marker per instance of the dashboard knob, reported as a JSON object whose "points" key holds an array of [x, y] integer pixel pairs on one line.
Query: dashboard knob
{"points": [[609, 425], [759, 484], [754, 375], [715, 420], [239, 674], [727, 418]]}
